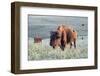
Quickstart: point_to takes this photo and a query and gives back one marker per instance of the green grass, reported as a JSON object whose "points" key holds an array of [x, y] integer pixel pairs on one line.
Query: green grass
{"points": [[42, 51]]}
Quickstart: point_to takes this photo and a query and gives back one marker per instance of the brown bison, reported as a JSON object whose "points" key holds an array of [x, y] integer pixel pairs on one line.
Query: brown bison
{"points": [[62, 36], [37, 39]]}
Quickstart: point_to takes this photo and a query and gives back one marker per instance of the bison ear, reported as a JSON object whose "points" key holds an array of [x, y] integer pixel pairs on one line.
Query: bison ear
{"points": [[52, 32]]}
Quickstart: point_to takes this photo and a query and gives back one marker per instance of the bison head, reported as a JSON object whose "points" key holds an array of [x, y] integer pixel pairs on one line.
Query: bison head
{"points": [[55, 38]]}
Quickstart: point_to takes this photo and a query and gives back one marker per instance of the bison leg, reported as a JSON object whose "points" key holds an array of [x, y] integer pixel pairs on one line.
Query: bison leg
{"points": [[70, 44], [63, 44], [62, 48], [74, 43]]}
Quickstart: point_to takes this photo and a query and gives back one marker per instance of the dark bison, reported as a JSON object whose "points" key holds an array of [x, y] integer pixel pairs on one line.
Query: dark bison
{"points": [[55, 39], [62, 36]]}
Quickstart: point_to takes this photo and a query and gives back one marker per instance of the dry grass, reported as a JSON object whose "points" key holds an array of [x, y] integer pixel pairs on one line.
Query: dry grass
{"points": [[42, 51]]}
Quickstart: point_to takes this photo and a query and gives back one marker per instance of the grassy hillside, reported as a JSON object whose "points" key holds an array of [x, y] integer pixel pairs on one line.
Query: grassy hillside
{"points": [[41, 25]]}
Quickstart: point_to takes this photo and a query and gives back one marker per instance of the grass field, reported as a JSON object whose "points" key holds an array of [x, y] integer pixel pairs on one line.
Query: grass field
{"points": [[42, 51]]}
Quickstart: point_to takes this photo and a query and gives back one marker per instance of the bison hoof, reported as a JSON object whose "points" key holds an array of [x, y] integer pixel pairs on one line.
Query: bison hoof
{"points": [[62, 48], [53, 47]]}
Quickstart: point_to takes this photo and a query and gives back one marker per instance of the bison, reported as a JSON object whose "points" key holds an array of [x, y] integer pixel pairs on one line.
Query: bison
{"points": [[62, 36]]}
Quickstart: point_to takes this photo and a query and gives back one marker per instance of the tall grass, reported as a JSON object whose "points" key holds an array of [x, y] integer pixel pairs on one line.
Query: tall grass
{"points": [[42, 51]]}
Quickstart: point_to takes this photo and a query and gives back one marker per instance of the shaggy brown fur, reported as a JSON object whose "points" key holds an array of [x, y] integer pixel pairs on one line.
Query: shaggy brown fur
{"points": [[66, 35]]}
